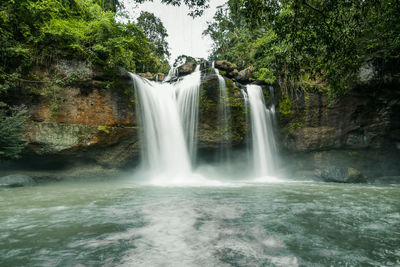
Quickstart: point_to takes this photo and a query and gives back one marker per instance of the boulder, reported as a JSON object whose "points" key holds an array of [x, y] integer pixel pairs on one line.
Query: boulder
{"points": [[16, 180], [153, 76], [186, 68], [147, 75], [234, 73], [341, 175], [225, 65], [245, 75]]}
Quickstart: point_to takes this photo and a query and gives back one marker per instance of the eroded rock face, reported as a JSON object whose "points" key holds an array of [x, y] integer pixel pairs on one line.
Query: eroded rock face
{"points": [[84, 120], [355, 122], [209, 133], [87, 121]]}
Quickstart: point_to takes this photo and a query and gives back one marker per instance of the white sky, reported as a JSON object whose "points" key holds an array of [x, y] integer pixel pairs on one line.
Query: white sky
{"points": [[185, 33]]}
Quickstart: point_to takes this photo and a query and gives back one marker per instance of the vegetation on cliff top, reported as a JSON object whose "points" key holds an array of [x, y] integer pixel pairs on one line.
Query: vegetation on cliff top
{"points": [[44, 32], [309, 44]]}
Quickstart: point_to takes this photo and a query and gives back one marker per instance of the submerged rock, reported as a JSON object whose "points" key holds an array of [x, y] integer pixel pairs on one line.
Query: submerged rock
{"points": [[341, 175], [387, 180], [16, 180]]}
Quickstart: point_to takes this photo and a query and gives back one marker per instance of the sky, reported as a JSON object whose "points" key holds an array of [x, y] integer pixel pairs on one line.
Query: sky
{"points": [[184, 32]]}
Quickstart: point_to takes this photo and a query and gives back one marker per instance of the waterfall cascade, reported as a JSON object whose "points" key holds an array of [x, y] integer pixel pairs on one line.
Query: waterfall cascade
{"points": [[168, 115], [264, 150], [247, 114], [172, 74], [164, 147], [188, 92]]}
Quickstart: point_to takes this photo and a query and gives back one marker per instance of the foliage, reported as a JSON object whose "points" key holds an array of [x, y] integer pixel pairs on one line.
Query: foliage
{"points": [[196, 7], [182, 59], [156, 33], [12, 126], [285, 106], [325, 41], [44, 32]]}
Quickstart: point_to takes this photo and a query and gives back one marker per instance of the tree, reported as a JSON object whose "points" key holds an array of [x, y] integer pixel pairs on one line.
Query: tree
{"points": [[309, 44], [155, 32], [196, 7]]}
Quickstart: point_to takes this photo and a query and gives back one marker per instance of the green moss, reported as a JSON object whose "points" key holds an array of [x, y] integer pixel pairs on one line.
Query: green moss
{"points": [[285, 106], [104, 128], [293, 126]]}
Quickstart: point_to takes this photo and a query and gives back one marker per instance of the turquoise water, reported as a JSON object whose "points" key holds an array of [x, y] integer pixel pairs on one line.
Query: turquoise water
{"points": [[117, 223]]}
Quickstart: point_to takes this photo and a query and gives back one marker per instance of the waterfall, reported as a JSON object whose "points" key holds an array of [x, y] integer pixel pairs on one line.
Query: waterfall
{"points": [[168, 115], [172, 74], [188, 91], [247, 117], [164, 147], [264, 149], [224, 118]]}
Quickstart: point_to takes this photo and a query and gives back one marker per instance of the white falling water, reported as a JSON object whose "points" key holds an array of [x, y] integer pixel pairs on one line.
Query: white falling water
{"points": [[224, 118], [263, 142], [164, 147], [168, 114], [246, 108], [188, 90], [172, 74]]}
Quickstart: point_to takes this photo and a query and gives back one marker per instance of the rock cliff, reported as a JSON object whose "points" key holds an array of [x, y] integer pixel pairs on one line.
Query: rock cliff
{"points": [[81, 114]]}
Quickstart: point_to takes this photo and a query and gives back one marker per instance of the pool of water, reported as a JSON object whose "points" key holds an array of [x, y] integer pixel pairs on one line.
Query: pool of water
{"points": [[119, 223]]}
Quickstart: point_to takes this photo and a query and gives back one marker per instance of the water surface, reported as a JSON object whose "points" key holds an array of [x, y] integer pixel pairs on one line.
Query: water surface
{"points": [[117, 223]]}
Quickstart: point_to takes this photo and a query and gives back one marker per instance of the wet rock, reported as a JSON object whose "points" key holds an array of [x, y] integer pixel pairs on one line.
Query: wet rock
{"points": [[160, 77], [186, 68], [16, 180], [153, 76], [387, 180], [147, 75], [107, 146], [341, 175]]}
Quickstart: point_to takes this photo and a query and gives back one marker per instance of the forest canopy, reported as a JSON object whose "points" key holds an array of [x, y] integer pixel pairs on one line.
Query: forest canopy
{"points": [[43, 32], [308, 44]]}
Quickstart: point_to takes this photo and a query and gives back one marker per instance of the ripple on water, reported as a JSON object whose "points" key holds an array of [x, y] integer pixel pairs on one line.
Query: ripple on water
{"points": [[278, 224]]}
